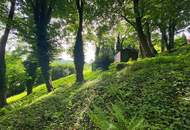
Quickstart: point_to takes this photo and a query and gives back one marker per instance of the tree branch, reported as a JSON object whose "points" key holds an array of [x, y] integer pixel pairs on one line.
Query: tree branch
{"points": [[129, 21]]}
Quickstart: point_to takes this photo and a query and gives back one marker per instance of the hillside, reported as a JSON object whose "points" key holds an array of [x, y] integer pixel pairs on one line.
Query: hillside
{"points": [[148, 94]]}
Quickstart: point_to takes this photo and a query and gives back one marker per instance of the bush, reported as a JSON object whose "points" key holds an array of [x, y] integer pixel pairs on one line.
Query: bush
{"points": [[118, 66], [61, 70], [16, 75], [103, 62], [180, 41], [58, 70]]}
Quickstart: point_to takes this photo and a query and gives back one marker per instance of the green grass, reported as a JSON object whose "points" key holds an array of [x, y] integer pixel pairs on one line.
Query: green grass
{"points": [[26, 112], [148, 94]]}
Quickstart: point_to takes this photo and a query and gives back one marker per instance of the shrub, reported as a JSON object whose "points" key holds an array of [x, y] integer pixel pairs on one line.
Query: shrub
{"points": [[16, 75], [180, 41], [61, 70], [103, 62], [118, 66], [58, 70]]}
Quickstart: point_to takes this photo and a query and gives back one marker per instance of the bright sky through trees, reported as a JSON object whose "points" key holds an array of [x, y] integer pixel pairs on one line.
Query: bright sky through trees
{"points": [[89, 49], [89, 54]]}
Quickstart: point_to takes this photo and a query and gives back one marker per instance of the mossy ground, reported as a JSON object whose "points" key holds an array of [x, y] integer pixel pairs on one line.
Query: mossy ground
{"points": [[148, 94]]}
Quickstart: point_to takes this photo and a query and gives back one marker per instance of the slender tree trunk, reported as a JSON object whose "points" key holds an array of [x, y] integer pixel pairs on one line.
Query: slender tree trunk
{"points": [[46, 75], [78, 48], [3, 42], [96, 57], [171, 33], [149, 37], [42, 15], [31, 68], [142, 37], [29, 90], [29, 87], [119, 45], [97, 51], [164, 39], [3, 85]]}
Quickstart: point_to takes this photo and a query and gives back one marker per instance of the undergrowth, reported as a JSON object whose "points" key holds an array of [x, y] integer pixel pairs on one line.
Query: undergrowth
{"points": [[150, 94]]}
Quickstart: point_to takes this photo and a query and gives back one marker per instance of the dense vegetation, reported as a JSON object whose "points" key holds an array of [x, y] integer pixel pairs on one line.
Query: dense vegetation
{"points": [[18, 77], [139, 96], [94, 64]]}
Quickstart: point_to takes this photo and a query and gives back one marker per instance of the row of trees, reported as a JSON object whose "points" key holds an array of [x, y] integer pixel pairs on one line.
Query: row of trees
{"points": [[36, 23], [32, 22]]}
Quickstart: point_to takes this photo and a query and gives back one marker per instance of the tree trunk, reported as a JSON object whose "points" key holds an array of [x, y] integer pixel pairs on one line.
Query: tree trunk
{"points": [[97, 51], [29, 90], [149, 37], [164, 39], [29, 87], [171, 33], [31, 73], [3, 85], [119, 45], [43, 56], [141, 52], [3, 42], [30, 67], [142, 37], [78, 48], [42, 19]]}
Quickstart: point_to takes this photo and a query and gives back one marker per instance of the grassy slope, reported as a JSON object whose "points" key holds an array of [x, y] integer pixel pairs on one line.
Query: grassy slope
{"points": [[149, 93], [34, 111]]}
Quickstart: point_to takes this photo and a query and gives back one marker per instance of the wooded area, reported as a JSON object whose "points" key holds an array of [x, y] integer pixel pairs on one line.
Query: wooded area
{"points": [[131, 38]]}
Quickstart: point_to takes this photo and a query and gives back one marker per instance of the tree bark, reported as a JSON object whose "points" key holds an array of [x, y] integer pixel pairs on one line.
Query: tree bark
{"points": [[119, 45], [78, 48], [30, 68], [141, 51], [142, 37], [149, 37], [97, 51], [3, 42], [42, 15], [171, 33], [29, 87], [164, 39]]}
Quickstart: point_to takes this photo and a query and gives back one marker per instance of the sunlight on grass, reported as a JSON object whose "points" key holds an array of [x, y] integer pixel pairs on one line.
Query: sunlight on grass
{"points": [[40, 91], [70, 103], [16, 97]]}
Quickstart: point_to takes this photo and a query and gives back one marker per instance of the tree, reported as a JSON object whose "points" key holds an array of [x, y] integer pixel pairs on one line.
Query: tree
{"points": [[145, 46], [101, 37], [42, 11], [78, 48], [132, 11], [3, 42], [168, 15], [31, 67], [119, 45]]}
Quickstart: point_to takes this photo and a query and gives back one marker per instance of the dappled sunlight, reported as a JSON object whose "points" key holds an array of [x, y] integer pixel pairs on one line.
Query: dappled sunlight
{"points": [[94, 65]]}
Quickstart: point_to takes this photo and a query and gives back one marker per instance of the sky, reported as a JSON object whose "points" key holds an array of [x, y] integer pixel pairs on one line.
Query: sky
{"points": [[89, 51]]}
